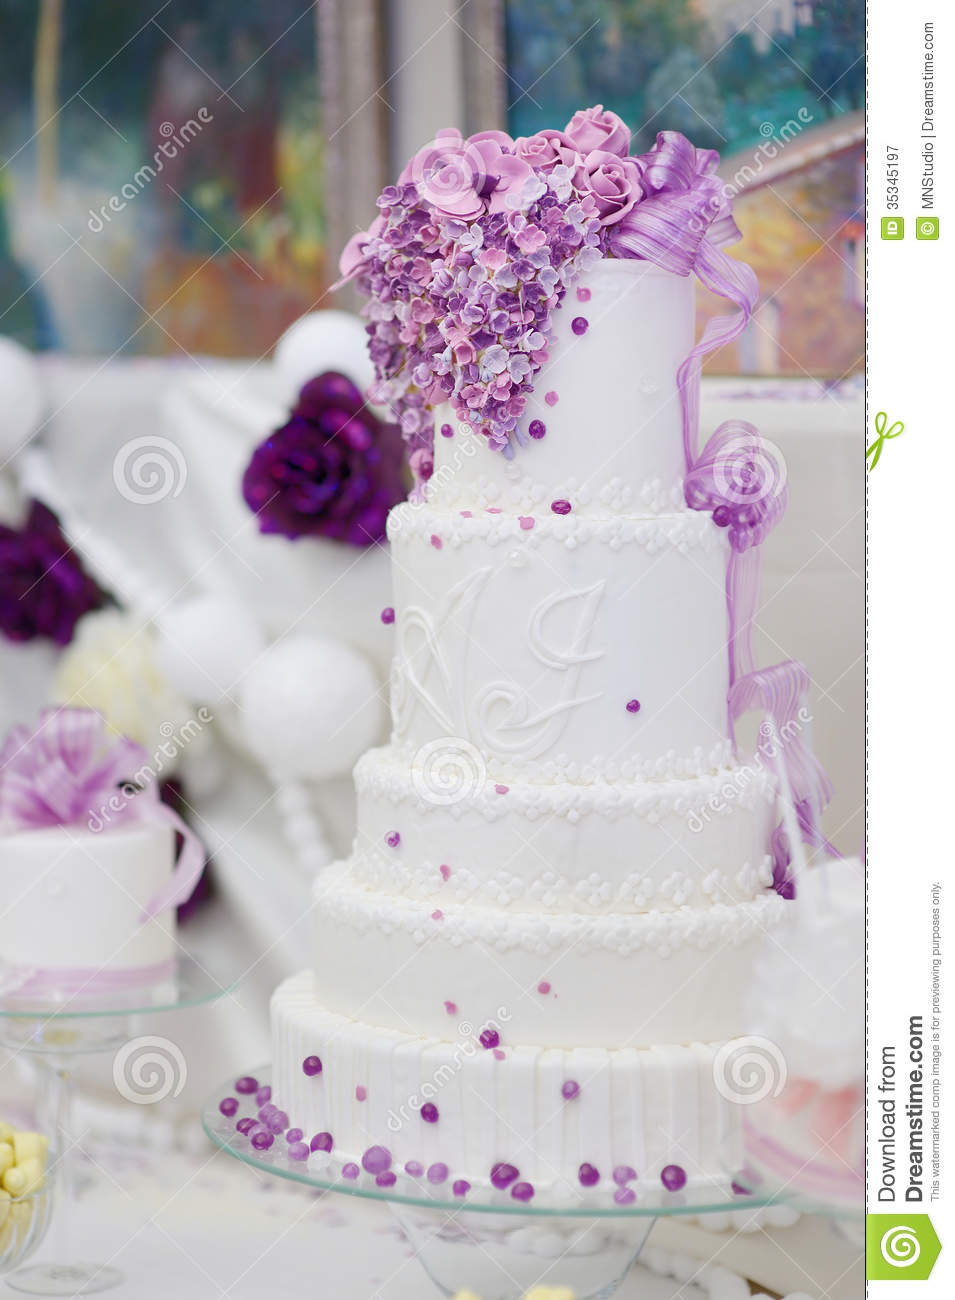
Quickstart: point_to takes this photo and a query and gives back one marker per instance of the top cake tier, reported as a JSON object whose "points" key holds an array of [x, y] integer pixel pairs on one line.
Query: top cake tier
{"points": [[603, 425]]}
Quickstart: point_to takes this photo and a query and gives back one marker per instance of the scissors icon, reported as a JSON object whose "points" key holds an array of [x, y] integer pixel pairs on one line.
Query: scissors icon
{"points": [[885, 432]]}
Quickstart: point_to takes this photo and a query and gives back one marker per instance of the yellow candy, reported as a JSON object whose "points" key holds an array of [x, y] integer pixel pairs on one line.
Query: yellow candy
{"points": [[29, 1146], [6, 1131], [5, 1204], [7, 1159]]}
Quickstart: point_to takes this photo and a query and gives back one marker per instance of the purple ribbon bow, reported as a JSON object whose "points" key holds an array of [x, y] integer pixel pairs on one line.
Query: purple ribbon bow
{"points": [[70, 770]]}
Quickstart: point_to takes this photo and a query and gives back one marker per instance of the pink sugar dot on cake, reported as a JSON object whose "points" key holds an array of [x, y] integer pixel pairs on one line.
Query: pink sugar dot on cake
{"points": [[451, 1008], [583, 294], [501, 789], [437, 914], [561, 507], [466, 514], [526, 522], [388, 614], [570, 1090], [445, 871], [393, 839], [436, 541], [498, 1054], [493, 510], [633, 706], [361, 1092], [551, 398], [544, 987]]}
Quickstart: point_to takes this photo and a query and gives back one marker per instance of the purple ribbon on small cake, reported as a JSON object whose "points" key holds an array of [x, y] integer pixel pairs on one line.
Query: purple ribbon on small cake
{"points": [[70, 770]]}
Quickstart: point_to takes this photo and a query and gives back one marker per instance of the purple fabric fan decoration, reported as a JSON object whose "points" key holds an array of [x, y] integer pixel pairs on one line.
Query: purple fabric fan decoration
{"points": [[44, 589], [332, 470]]}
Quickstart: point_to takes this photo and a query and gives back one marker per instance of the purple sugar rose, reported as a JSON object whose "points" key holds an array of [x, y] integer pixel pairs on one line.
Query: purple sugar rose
{"points": [[44, 589], [547, 149], [597, 128], [614, 183], [332, 470]]}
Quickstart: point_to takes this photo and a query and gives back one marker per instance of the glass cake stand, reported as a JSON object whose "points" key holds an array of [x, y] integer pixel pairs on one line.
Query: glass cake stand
{"points": [[486, 1241], [57, 1032]]}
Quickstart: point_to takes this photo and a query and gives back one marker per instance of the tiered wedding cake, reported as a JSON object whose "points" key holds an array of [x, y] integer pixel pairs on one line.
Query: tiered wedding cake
{"points": [[527, 972]]}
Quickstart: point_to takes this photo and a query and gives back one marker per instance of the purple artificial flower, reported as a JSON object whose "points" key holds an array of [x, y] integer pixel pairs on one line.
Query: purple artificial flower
{"points": [[332, 470], [597, 128], [613, 182], [44, 589]]}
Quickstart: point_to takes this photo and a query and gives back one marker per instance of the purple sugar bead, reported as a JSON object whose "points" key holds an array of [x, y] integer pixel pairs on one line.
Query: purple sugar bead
{"points": [[437, 1173], [262, 1139], [537, 428], [312, 1065], [580, 325], [625, 1196], [350, 1170], [502, 1175], [386, 1178], [673, 1177], [263, 1095], [489, 1038], [740, 1191], [722, 516], [589, 1175], [429, 1113], [561, 507], [461, 1187], [277, 1122], [246, 1084], [633, 706], [522, 1191], [570, 1090], [447, 431], [393, 839], [245, 1125], [624, 1174], [414, 1168], [388, 614], [376, 1160], [298, 1151], [294, 1135], [321, 1142], [228, 1106]]}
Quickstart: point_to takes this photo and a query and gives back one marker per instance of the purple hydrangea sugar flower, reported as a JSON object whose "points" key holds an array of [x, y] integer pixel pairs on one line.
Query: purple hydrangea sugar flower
{"points": [[332, 470], [44, 588]]}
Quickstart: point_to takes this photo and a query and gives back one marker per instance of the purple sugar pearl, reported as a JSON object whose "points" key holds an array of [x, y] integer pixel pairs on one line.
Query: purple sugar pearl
{"points": [[246, 1084], [551, 398], [350, 1170], [376, 1160], [461, 1187], [321, 1142], [298, 1151], [447, 431], [589, 1175], [673, 1177], [740, 1191], [522, 1191], [544, 987], [624, 1174], [437, 1173], [245, 1125], [625, 1196], [361, 1092], [263, 1095], [228, 1106], [633, 706], [489, 1038], [312, 1065], [393, 839], [502, 1175], [262, 1139], [294, 1135], [722, 516], [561, 507], [583, 294], [537, 428], [386, 1178], [580, 325], [570, 1090], [388, 614], [429, 1113], [277, 1122], [414, 1168]]}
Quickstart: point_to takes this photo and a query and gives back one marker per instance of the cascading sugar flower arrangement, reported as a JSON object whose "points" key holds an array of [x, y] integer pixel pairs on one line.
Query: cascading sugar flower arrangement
{"points": [[475, 246]]}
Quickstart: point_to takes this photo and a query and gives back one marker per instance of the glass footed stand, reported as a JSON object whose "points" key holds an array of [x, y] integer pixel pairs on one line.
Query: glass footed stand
{"points": [[485, 1241], [56, 1031]]}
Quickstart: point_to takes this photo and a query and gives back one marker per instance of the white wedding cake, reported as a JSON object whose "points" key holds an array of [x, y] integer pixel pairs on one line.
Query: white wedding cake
{"points": [[526, 974]]}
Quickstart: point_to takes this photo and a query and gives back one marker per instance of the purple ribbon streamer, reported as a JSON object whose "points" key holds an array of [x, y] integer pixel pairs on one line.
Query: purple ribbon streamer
{"points": [[70, 769]]}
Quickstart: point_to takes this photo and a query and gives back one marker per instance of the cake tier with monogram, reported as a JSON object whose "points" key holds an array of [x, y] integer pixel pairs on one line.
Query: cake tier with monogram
{"points": [[530, 972], [88, 862]]}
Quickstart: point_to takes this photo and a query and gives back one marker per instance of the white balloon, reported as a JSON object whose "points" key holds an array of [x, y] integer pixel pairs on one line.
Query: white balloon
{"points": [[310, 707], [22, 397], [324, 340], [206, 646]]}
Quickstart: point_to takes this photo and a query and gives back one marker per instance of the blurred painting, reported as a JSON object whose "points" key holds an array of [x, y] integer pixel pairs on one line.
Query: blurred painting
{"points": [[778, 88], [160, 189]]}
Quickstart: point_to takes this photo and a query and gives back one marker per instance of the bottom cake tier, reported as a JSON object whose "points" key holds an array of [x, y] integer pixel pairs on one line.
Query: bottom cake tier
{"points": [[448, 1111]]}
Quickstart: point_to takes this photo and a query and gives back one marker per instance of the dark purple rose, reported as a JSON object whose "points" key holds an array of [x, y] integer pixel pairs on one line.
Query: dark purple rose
{"points": [[333, 470], [44, 589]]}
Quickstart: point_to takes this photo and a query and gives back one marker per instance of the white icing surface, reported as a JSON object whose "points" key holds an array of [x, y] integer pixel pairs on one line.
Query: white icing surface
{"points": [[74, 897], [644, 1108]]}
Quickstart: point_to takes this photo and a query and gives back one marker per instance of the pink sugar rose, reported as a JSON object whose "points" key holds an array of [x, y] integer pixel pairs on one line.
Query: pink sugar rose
{"points": [[546, 149], [593, 128], [503, 172], [613, 183]]}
